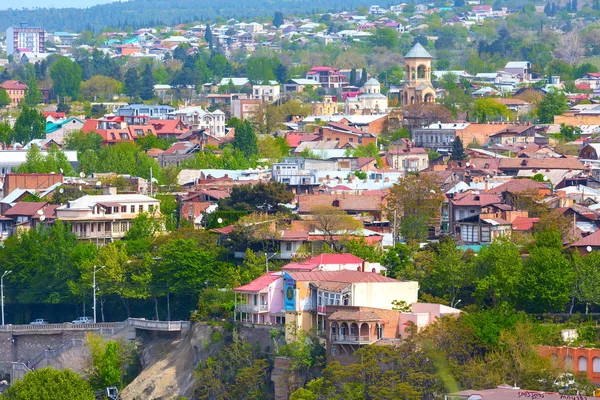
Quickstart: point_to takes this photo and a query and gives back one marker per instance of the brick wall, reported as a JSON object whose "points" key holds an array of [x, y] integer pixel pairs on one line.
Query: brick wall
{"points": [[36, 182]]}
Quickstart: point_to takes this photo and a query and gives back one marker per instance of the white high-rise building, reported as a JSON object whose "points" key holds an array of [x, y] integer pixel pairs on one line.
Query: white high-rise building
{"points": [[24, 38]]}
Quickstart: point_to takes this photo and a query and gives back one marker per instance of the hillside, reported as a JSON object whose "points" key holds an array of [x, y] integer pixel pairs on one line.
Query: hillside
{"points": [[140, 13]]}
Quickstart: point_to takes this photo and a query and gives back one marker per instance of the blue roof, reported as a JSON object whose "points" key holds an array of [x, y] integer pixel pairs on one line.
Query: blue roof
{"points": [[53, 127]]}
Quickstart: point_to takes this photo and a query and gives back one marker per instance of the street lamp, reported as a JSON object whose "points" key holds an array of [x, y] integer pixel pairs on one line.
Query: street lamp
{"points": [[2, 292], [94, 288], [267, 258]]}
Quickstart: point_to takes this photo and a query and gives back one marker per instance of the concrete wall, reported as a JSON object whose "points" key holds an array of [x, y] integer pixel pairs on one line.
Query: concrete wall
{"points": [[381, 294]]}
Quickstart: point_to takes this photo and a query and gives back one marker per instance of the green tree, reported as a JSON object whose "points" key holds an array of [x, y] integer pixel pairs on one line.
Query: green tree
{"points": [[125, 278], [33, 97], [262, 196], [100, 87], [487, 110], [335, 224], [458, 150], [6, 133], [450, 272], [554, 103], [498, 277], [245, 140], [385, 37], [50, 384], [204, 73], [587, 279], [30, 124], [278, 19], [147, 83], [415, 201], [261, 69], [132, 83], [550, 275], [66, 77], [208, 37], [235, 372], [4, 98]]}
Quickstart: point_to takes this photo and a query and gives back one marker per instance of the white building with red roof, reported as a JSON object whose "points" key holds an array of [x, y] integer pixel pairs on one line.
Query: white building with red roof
{"points": [[326, 77]]}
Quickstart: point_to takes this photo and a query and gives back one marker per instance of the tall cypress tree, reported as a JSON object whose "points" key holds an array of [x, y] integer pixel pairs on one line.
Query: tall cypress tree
{"points": [[353, 77], [147, 83], [208, 37], [458, 151]]}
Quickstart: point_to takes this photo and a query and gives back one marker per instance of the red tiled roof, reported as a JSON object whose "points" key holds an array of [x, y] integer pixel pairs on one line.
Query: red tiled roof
{"points": [[347, 202], [524, 223], [14, 85], [518, 186], [294, 139], [410, 150], [344, 127], [290, 235], [306, 266], [540, 163], [25, 208], [259, 283], [168, 126], [226, 230], [54, 114], [471, 199], [592, 240], [344, 275], [346, 258]]}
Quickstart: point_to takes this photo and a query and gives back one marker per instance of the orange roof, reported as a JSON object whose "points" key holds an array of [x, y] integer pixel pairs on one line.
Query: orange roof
{"points": [[168, 126], [524, 223], [13, 85]]}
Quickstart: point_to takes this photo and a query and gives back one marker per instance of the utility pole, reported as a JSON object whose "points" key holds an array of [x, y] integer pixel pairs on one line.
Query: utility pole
{"points": [[2, 292], [94, 288], [150, 181]]}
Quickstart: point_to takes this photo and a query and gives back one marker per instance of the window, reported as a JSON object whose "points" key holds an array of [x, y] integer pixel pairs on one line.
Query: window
{"points": [[133, 209], [582, 364], [123, 209], [115, 210], [596, 364], [140, 208], [288, 247], [151, 208]]}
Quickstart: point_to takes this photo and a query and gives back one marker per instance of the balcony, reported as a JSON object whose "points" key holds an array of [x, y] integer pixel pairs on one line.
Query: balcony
{"points": [[251, 308], [352, 339]]}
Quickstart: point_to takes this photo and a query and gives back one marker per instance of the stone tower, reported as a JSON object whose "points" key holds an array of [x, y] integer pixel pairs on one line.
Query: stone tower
{"points": [[417, 87]]}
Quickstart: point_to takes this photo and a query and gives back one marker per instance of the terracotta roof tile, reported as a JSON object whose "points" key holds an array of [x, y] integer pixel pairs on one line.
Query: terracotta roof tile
{"points": [[345, 275]]}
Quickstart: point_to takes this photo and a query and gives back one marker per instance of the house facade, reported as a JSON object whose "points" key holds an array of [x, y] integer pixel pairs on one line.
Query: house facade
{"points": [[16, 91], [197, 118], [105, 218]]}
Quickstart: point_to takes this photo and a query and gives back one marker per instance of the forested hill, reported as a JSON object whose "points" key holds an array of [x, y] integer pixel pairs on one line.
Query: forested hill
{"points": [[142, 13]]}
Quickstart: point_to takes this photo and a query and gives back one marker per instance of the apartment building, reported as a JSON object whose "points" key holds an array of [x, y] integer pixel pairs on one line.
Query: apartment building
{"points": [[105, 218]]}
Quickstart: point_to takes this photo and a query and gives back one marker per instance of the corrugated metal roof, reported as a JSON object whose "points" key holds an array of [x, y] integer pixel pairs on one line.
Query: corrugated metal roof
{"points": [[418, 51]]}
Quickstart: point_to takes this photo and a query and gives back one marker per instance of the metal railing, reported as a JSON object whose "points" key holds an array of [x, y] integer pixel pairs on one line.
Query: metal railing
{"points": [[168, 326], [250, 308], [352, 339], [104, 327], [55, 352], [49, 327]]}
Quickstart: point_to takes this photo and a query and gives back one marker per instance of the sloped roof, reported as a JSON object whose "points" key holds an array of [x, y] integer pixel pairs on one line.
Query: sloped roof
{"points": [[471, 199], [346, 202], [25, 208], [518, 186], [355, 315], [259, 283], [592, 240], [344, 275], [418, 51]]}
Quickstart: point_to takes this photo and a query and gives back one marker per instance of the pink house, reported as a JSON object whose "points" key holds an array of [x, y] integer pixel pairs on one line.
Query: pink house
{"points": [[261, 301], [333, 262]]}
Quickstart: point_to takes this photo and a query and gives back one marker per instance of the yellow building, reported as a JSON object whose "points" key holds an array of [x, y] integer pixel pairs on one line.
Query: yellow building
{"points": [[307, 294], [325, 108], [417, 87]]}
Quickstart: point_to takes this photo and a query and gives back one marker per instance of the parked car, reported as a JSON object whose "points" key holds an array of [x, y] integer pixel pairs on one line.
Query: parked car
{"points": [[39, 321], [82, 320]]}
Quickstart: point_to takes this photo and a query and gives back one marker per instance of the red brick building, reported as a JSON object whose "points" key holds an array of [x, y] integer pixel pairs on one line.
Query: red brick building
{"points": [[576, 360]]}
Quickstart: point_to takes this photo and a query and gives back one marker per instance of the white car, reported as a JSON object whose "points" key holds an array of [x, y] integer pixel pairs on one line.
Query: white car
{"points": [[39, 321], [82, 320]]}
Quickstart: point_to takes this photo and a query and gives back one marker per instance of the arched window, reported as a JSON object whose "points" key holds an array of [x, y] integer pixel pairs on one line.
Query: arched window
{"points": [[582, 364], [569, 363], [596, 365], [421, 71]]}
